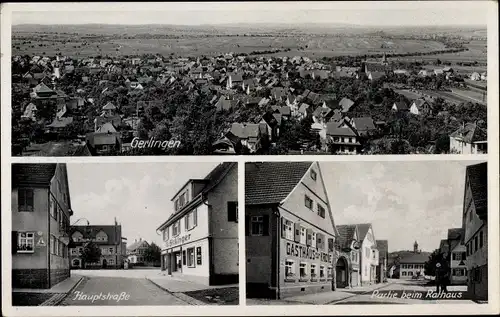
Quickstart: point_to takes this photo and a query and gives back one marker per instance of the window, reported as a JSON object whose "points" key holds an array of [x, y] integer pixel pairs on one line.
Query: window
{"points": [[322, 271], [287, 229], [330, 272], [110, 250], [52, 245], [313, 271], [25, 199], [53, 207], [313, 239], [175, 229], [403, 273], [458, 272], [198, 256], [303, 235], [475, 244], [60, 248], [232, 211], [80, 250], [184, 259], [308, 202], [289, 268], [257, 225], [303, 270], [410, 273], [313, 174], [191, 220], [321, 211], [481, 239], [165, 234], [190, 257], [74, 251], [25, 242], [111, 262]]}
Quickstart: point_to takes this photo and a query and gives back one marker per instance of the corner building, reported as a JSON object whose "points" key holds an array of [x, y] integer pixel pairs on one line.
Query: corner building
{"points": [[200, 238], [289, 228]]}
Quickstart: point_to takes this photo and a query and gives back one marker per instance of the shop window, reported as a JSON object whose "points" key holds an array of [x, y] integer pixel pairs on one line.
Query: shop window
{"points": [[289, 269], [25, 242], [303, 270], [190, 257], [322, 272], [308, 202], [321, 211], [25, 199]]}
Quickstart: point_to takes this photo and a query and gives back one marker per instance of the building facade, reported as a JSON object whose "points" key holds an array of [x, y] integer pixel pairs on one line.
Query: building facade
{"points": [[108, 239], [347, 270], [369, 258], [475, 224], [411, 265], [136, 252], [289, 229], [41, 211], [200, 238]]}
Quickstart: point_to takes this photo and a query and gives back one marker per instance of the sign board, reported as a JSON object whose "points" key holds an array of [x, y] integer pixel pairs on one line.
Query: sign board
{"points": [[41, 242], [178, 240], [198, 256], [305, 252]]}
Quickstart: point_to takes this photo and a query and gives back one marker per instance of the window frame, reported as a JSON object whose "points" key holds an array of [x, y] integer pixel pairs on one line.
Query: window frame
{"points": [[24, 206], [26, 239], [290, 267], [307, 200], [259, 221], [191, 252], [303, 265], [321, 211], [313, 174]]}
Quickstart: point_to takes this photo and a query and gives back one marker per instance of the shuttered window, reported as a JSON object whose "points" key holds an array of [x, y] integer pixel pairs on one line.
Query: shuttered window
{"points": [[25, 199]]}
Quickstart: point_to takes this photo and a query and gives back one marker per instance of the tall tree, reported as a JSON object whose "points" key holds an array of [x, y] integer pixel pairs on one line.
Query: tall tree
{"points": [[91, 253], [152, 253]]}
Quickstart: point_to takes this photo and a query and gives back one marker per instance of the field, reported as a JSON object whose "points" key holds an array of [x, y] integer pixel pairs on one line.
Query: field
{"points": [[188, 45], [456, 96]]}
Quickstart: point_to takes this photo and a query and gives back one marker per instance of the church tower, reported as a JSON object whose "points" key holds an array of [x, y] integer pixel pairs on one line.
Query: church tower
{"points": [[384, 59], [415, 247]]}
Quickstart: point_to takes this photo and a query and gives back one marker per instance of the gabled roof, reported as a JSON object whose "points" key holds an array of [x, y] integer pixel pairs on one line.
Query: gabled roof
{"points": [[90, 232], [470, 133], [363, 230], [364, 123], [455, 236], [401, 105], [271, 182], [346, 104], [415, 258], [42, 88], [477, 175], [419, 102], [245, 130], [33, 174], [109, 106], [346, 235], [137, 244], [333, 128]]}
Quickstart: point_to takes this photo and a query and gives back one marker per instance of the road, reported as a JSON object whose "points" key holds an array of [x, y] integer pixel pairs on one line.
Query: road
{"points": [[404, 292], [118, 287]]}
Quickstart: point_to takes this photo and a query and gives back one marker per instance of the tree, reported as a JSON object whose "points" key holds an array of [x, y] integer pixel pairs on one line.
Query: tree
{"points": [[91, 253], [152, 254], [430, 265], [442, 144]]}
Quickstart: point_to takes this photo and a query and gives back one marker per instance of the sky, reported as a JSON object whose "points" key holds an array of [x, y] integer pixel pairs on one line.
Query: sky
{"points": [[138, 195], [404, 201], [393, 13]]}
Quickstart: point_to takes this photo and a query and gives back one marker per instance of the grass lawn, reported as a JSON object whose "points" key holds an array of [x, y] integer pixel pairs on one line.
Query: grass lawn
{"points": [[221, 296], [29, 299]]}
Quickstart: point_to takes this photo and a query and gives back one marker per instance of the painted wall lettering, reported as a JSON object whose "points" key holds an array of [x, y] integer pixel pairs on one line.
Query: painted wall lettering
{"points": [[176, 241], [305, 252]]}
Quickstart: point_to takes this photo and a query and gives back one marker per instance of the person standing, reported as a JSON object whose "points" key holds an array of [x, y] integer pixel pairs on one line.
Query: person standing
{"points": [[439, 276], [445, 271]]}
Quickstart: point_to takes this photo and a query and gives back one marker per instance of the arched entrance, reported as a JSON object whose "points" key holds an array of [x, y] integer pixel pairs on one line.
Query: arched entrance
{"points": [[341, 273], [104, 263]]}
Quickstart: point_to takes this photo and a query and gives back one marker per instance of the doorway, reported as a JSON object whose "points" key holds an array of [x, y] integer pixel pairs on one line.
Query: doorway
{"points": [[341, 273], [104, 263]]}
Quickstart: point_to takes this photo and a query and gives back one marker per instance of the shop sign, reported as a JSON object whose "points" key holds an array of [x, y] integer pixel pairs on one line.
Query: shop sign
{"points": [[198, 256], [305, 252], [177, 240]]}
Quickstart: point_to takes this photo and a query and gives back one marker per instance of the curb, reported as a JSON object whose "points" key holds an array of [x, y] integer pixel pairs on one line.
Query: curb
{"points": [[59, 297], [181, 296], [354, 295]]}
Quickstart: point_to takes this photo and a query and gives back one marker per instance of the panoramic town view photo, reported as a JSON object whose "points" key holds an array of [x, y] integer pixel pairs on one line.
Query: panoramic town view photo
{"points": [[394, 233], [250, 78], [124, 234]]}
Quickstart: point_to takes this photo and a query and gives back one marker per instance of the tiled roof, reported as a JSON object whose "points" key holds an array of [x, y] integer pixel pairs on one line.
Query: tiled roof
{"points": [[90, 232], [271, 182], [415, 258], [470, 133], [245, 130], [401, 105], [32, 174], [346, 104], [455, 236], [333, 129], [346, 235], [136, 244], [364, 124], [363, 229], [477, 175]]}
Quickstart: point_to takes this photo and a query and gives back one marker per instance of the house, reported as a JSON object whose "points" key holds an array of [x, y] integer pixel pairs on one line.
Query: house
{"points": [[420, 106], [412, 263], [30, 112], [108, 239], [250, 134], [368, 254], [456, 255], [289, 230], [303, 111], [227, 144], [364, 125], [347, 244], [475, 225], [41, 212], [104, 143], [346, 104], [234, 80], [475, 76], [136, 252], [225, 104], [469, 139], [383, 256], [400, 106], [200, 237], [342, 138], [42, 91], [272, 124], [375, 75]]}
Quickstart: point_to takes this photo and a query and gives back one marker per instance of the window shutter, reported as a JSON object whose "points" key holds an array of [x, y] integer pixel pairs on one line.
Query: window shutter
{"points": [[309, 237], [29, 197], [247, 225], [283, 227], [297, 232], [265, 225], [14, 241], [186, 222], [195, 217], [330, 244], [21, 197]]}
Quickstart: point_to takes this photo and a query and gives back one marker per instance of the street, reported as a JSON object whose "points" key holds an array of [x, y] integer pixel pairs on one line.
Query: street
{"points": [[119, 287]]}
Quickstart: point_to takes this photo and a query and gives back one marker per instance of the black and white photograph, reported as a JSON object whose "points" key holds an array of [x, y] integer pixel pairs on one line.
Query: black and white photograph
{"points": [[263, 78], [332, 233], [125, 234]]}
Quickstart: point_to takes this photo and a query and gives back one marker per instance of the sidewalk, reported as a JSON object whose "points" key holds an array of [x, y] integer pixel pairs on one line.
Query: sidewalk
{"points": [[51, 296]]}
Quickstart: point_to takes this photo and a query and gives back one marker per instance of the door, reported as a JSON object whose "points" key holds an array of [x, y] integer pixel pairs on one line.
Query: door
{"points": [[355, 278], [341, 273], [104, 263]]}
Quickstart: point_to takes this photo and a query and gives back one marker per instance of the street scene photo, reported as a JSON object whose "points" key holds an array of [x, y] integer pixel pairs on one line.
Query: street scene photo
{"points": [[125, 234], [332, 233], [250, 78]]}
